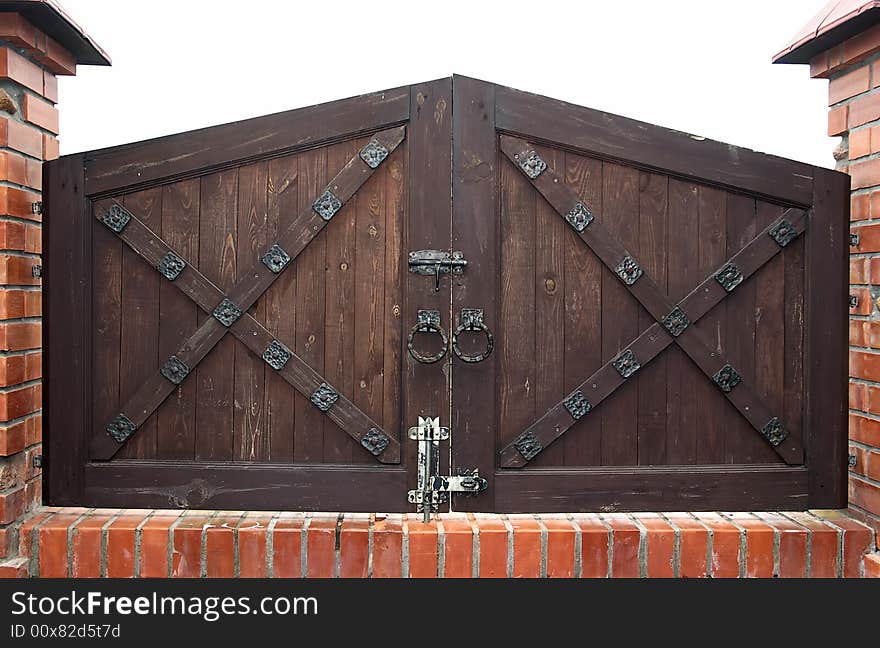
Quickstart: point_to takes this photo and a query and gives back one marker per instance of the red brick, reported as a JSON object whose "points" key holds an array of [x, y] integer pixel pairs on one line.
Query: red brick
{"points": [[858, 396], [186, 556], [849, 84], [33, 241], [34, 429], [120, 544], [388, 546], [18, 202], [13, 168], [12, 505], [864, 333], [33, 494], [252, 545], [15, 67], [873, 464], [85, 546], [7, 540], [660, 545], [50, 86], [823, 545], [872, 566], [864, 364], [354, 546], [819, 65], [837, 118], [858, 540], [859, 270], [493, 546], [287, 546], [220, 545], [155, 538], [19, 402], [865, 305], [52, 547], [459, 541], [626, 540], [693, 545], [18, 31], [860, 46], [861, 460], [526, 546], [422, 547], [860, 207], [21, 137], [725, 545], [40, 113], [18, 271], [14, 568], [321, 550], [864, 494], [868, 519], [594, 545], [561, 537], [792, 545], [864, 430], [865, 174], [50, 148], [19, 336], [859, 145], [760, 542], [13, 438], [864, 109], [57, 59], [33, 174]]}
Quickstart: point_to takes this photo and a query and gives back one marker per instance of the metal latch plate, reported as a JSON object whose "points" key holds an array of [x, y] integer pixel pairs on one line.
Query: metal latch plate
{"points": [[432, 262]]}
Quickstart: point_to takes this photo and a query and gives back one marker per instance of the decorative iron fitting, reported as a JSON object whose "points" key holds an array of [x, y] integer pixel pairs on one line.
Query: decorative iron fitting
{"points": [[727, 378], [774, 432], [37, 207], [853, 301], [676, 322], [375, 441], [579, 217], [626, 364], [428, 317], [628, 270], [528, 446], [175, 370], [854, 240], [577, 405], [324, 397], [121, 428], [783, 233], [373, 153], [227, 313], [327, 205], [276, 258], [531, 163], [729, 277], [170, 266], [116, 218], [276, 355]]}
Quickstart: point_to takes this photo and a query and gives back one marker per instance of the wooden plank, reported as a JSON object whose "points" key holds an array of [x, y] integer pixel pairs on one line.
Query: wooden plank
{"points": [[308, 439], [620, 316], [140, 323], [745, 488], [67, 334], [369, 301], [713, 413], [280, 317], [651, 147], [116, 168], [793, 378], [826, 339], [340, 322], [652, 250], [583, 311], [475, 227], [250, 436], [215, 374], [548, 310], [253, 487], [429, 224], [178, 319]]}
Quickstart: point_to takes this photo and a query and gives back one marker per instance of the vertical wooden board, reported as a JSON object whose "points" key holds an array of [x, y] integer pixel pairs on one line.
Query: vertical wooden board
{"points": [[475, 225], [549, 312], [140, 323], [742, 444], [583, 312], [682, 275], [250, 437], [178, 319], [429, 224], [369, 302], [308, 443], [620, 316], [713, 410], [517, 344], [770, 324], [282, 202], [652, 252], [793, 397], [339, 328], [214, 375]]}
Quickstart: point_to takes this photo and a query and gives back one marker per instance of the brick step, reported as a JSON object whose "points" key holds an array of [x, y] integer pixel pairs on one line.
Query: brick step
{"points": [[62, 542]]}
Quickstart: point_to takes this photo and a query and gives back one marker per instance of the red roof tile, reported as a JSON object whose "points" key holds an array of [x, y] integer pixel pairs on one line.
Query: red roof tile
{"points": [[836, 22]]}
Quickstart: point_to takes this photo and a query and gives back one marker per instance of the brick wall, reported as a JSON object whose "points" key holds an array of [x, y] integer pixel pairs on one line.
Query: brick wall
{"points": [[29, 64], [853, 70]]}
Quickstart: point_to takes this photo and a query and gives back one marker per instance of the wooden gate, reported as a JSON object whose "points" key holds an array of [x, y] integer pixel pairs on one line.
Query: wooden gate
{"points": [[630, 317]]}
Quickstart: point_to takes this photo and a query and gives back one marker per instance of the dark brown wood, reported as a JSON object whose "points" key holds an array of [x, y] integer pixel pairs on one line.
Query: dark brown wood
{"points": [[123, 167], [67, 329], [650, 147]]}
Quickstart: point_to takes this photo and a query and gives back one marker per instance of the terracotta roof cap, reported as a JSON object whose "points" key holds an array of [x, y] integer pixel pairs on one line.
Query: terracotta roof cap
{"points": [[835, 23]]}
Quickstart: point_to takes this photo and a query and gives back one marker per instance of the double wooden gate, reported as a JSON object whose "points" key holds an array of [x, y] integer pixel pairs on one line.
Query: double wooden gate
{"points": [[237, 318]]}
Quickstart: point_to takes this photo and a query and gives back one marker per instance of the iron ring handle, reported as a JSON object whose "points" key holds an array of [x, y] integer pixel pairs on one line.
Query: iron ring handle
{"points": [[471, 319], [428, 323]]}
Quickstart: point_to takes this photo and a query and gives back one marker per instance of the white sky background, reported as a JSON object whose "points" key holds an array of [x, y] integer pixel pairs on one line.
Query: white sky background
{"points": [[696, 66]]}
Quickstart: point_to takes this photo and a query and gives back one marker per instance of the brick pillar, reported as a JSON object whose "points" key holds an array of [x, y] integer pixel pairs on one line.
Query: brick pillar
{"points": [[30, 63]]}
